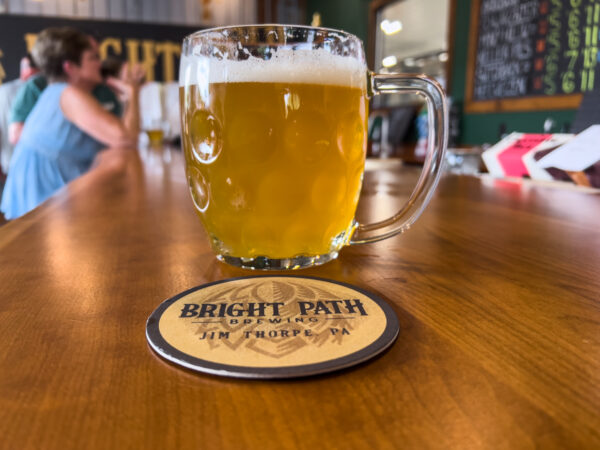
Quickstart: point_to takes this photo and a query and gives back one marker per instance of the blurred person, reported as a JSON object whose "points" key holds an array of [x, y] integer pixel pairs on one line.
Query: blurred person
{"points": [[8, 92], [111, 67], [67, 127], [30, 92]]}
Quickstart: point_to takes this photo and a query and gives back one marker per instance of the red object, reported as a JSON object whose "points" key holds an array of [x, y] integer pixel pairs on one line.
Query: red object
{"points": [[539, 64], [541, 45], [511, 159]]}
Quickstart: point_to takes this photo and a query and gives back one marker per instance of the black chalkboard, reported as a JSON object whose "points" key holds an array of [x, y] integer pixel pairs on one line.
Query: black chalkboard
{"points": [[533, 48]]}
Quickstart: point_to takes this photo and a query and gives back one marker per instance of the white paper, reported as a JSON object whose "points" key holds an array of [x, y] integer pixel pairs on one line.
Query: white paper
{"points": [[578, 154], [535, 171]]}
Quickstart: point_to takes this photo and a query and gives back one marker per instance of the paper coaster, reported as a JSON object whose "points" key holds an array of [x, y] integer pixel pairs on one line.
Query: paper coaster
{"points": [[271, 327]]}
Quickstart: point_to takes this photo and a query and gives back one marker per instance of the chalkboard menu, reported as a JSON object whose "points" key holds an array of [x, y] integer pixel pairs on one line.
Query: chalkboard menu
{"points": [[543, 52]]}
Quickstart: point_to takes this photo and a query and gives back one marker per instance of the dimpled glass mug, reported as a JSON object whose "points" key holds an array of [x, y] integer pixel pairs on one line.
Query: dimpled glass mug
{"points": [[274, 130]]}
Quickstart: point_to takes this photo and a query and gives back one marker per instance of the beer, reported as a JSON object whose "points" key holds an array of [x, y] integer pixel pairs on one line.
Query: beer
{"points": [[274, 128], [275, 166], [155, 137]]}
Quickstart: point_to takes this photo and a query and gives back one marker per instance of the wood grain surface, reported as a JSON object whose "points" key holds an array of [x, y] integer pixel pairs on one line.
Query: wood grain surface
{"points": [[496, 287]]}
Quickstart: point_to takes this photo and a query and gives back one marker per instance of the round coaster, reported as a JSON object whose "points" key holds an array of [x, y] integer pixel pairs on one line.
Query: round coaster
{"points": [[271, 327]]}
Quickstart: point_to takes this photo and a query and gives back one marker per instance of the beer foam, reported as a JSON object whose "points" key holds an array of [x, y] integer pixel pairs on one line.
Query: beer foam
{"points": [[285, 66]]}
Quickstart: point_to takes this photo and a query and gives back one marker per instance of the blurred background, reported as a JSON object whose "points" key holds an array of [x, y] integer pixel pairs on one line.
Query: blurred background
{"points": [[437, 37]]}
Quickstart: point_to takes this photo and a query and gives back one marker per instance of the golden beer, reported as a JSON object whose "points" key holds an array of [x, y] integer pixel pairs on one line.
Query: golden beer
{"points": [[155, 137], [274, 129], [274, 168]]}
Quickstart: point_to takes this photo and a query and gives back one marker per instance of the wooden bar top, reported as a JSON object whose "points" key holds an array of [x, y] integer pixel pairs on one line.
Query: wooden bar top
{"points": [[497, 290]]}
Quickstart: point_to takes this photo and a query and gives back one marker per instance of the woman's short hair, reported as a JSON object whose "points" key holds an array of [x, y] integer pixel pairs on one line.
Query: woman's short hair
{"points": [[31, 61], [111, 66], [54, 46]]}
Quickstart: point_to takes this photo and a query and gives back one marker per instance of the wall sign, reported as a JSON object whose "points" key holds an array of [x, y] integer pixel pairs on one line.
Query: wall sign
{"points": [[532, 54], [155, 46]]}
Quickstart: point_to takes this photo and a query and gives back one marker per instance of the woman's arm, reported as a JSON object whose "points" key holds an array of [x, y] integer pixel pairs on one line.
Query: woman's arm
{"points": [[131, 117], [86, 113], [128, 88], [14, 132]]}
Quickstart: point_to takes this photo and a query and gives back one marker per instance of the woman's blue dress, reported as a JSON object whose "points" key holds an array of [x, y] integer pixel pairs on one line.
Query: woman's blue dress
{"points": [[51, 152]]}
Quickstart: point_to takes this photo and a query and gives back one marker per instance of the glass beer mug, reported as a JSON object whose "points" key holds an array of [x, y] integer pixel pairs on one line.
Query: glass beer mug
{"points": [[274, 130]]}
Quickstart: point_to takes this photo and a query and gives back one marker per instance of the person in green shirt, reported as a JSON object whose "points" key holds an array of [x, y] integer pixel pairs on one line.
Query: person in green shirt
{"points": [[29, 93]]}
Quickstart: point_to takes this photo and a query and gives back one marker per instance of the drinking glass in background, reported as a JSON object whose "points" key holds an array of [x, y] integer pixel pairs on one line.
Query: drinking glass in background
{"points": [[462, 161], [152, 113], [274, 129], [155, 131]]}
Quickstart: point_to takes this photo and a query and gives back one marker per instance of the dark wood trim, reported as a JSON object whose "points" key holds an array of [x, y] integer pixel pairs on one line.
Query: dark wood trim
{"points": [[274, 9], [303, 9], [260, 11], [265, 15], [269, 15], [570, 101], [370, 44], [451, 44], [473, 25]]}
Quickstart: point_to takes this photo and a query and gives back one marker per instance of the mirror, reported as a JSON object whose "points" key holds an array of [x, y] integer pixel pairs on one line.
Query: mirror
{"points": [[406, 36], [411, 36]]}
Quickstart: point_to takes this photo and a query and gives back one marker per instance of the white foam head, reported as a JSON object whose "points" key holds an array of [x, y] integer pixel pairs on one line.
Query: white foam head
{"points": [[285, 66]]}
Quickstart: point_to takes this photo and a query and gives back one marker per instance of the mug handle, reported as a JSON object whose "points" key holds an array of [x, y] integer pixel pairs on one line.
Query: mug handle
{"points": [[437, 112]]}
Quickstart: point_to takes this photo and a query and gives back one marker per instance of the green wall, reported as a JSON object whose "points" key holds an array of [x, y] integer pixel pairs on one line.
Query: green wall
{"points": [[484, 128], [348, 15], [353, 16]]}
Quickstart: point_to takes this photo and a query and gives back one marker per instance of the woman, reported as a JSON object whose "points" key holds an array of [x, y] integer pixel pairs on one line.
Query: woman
{"points": [[68, 126]]}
